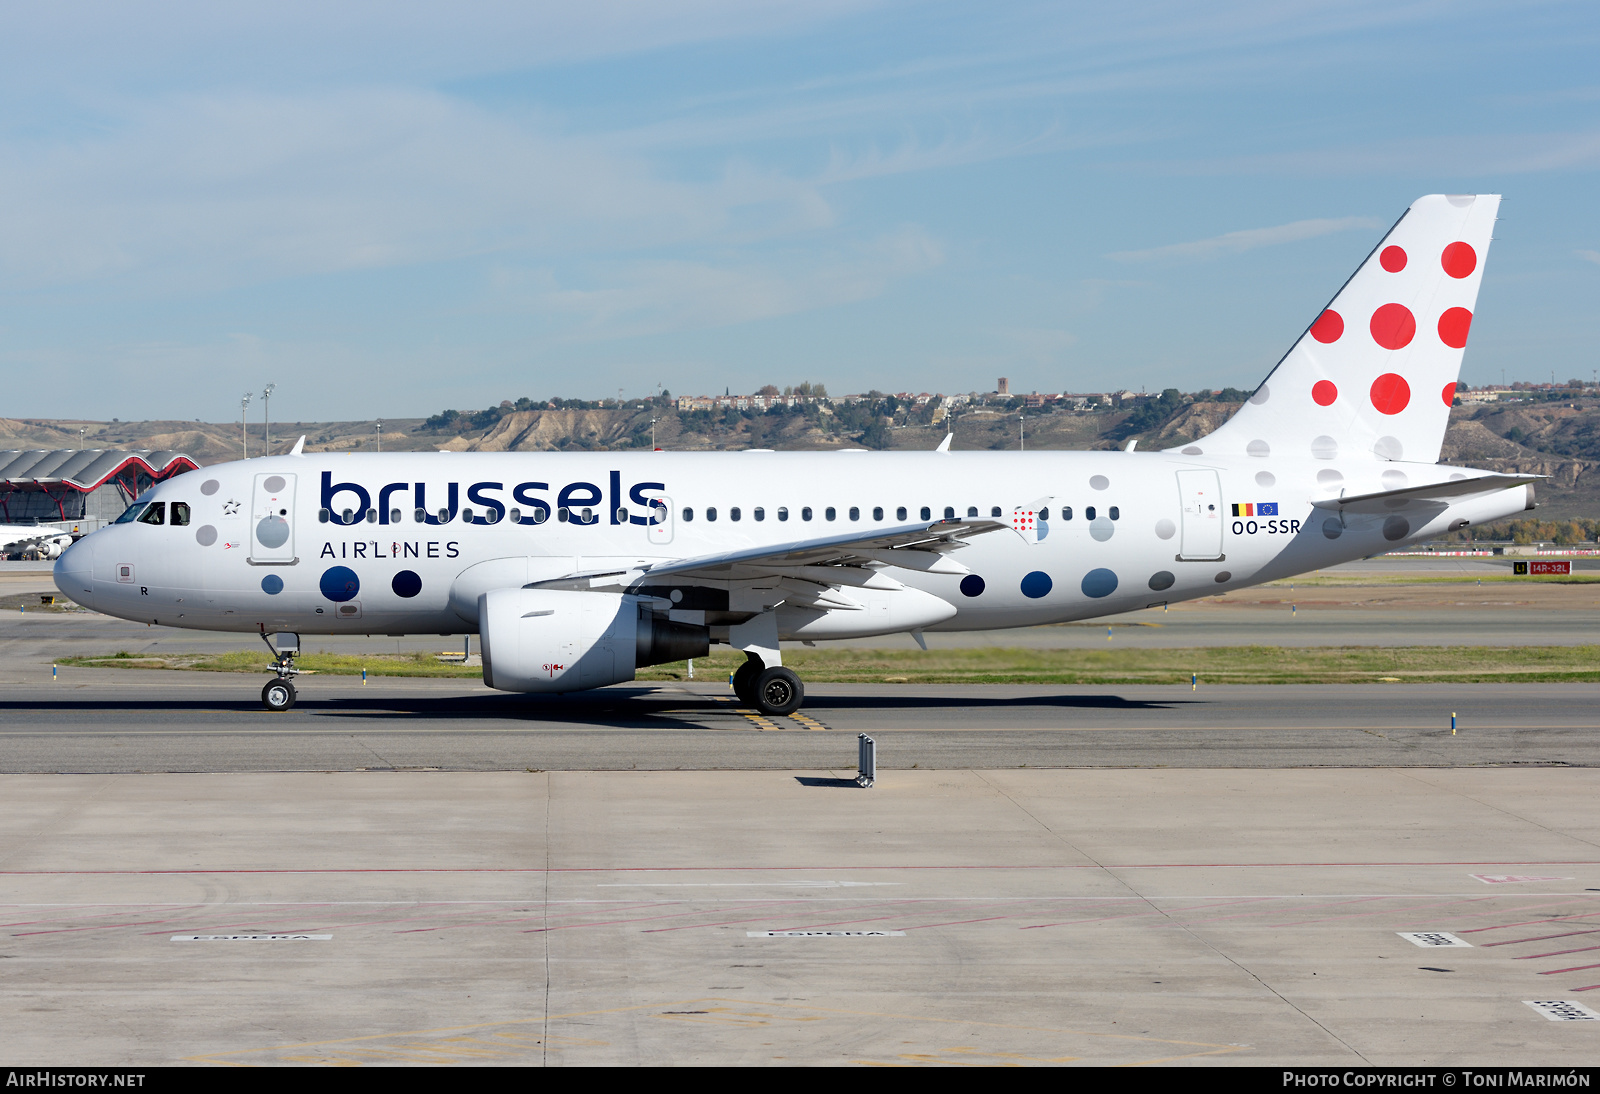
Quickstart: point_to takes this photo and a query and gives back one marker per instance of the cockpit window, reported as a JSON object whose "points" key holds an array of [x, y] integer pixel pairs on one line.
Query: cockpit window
{"points": [[131, 513], [180, 513], [156, 514]]}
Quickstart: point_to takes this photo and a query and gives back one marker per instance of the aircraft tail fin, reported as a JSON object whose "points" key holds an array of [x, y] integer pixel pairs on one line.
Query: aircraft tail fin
{"points": [[1374, 375]]}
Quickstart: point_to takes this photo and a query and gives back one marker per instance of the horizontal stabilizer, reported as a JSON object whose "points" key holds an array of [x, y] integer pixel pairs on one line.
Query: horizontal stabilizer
{"points": [[1453, 490]]}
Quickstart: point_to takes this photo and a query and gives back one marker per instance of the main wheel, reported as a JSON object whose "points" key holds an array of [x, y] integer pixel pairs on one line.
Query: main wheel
{"points": [[278, 695], [778, 691], [744, 681]]}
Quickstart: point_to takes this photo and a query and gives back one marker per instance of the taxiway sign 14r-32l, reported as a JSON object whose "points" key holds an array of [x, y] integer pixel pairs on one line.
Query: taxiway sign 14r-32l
{"points": [[577, 570]]}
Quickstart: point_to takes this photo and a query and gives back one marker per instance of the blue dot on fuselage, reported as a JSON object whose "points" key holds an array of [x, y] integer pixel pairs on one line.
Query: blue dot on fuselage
{"points": [[972, 585], [339, 583], [1037, 584], [1098, 583], [272, 584], [407, 583]]}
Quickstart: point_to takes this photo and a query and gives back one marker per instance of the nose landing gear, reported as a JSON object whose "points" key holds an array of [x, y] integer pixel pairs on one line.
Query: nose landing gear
{"points": [[279, 694]]}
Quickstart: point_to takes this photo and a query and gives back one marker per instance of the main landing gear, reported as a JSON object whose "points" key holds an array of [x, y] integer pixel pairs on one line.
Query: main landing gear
{"points": [[771, 691], [279, 694]]}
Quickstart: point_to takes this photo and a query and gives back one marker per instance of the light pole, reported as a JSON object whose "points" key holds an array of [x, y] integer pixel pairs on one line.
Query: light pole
{"points": [[81, 431], [1022, 440], [266, 414], [380, 434], [652, 434], [244, 423]]}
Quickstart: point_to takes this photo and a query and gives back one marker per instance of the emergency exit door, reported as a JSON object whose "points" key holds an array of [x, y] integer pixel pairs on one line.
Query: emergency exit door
{"points": [[272, 521], [1201, 494]]}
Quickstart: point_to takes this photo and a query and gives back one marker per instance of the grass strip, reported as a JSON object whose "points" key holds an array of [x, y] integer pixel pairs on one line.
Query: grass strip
{"points": [[989, 665]]}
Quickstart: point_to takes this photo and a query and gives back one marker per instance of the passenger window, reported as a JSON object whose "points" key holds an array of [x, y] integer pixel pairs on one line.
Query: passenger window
{"points": [[491, 517], [515, 516], [563, 514], [927, 514], [1044, 514], [1088, 514], [1066, 512], [734, 514], [805, 513], [686, 513], [131, 513], [994, 511], [347, 517], [420, 516], [972, 511], [1116, 513], [372, 516], [323, 515], [759, 513], [622, 515], [877, 512], [394, 516], [900, 513], [156, 514], [783, 512], [855, 512], [949, 512], [588, 516], [180, 513], [444, 516], [711, 512], [466, 515], [830, 513]]}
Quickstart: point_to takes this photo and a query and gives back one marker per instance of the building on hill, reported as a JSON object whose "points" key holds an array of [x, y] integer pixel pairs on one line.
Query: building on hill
{"points": [[87, 488]]}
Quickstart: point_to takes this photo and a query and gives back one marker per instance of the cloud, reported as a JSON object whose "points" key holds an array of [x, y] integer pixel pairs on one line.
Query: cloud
{"points": [[1248, 240], [653, 297], [216, 191], [1471, 156]]}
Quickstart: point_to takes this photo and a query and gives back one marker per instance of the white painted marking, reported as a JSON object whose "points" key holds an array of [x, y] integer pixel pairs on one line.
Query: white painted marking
{"points": [[1563, 1010], [1433, 938], [740, 884], [824, 934], [252, 938], [1506, 879]]}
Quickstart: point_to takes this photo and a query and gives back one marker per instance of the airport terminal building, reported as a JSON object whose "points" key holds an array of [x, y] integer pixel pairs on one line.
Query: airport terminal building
{"points": [[88, 487]]}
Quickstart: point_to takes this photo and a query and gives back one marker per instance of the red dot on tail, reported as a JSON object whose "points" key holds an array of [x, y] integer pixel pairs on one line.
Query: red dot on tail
{"points": [[1393, 326], [1393, 259], [1323, 392], [1453, 327], [1450, 393], [1459, 259], [1390, 393], [1328, 327]]}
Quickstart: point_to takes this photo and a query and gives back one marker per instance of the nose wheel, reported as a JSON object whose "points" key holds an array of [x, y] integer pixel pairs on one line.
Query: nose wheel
{"points": [[278, 695]]}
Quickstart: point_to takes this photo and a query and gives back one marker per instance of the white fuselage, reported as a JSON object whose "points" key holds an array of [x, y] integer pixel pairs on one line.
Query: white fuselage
{"points": [[388, 573]]}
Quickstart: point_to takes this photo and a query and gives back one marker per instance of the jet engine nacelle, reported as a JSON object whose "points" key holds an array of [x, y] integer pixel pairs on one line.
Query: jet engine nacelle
{"points": [[556, 640]]}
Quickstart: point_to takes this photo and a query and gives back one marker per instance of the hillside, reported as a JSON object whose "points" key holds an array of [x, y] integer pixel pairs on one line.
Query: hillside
{"points": [[1557, 439]]}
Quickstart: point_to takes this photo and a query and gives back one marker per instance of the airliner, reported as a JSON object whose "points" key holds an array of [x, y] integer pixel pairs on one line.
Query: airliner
{"points": [[47, 540], [576, 570]]}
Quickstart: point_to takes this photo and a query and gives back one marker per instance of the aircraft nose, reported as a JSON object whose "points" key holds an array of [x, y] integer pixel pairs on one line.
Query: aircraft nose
{"points": [[74, 572]]}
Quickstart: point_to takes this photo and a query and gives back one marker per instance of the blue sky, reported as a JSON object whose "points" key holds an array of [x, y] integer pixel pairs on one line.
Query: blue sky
{"points": [[387, 209]]}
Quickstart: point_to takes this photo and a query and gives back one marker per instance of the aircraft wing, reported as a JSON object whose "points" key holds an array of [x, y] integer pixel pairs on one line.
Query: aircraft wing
{"points": [[1388, 500], [923, 546]]}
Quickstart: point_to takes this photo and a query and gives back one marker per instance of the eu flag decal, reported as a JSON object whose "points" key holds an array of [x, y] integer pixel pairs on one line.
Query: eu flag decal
{"points": [[1266, 508]]}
